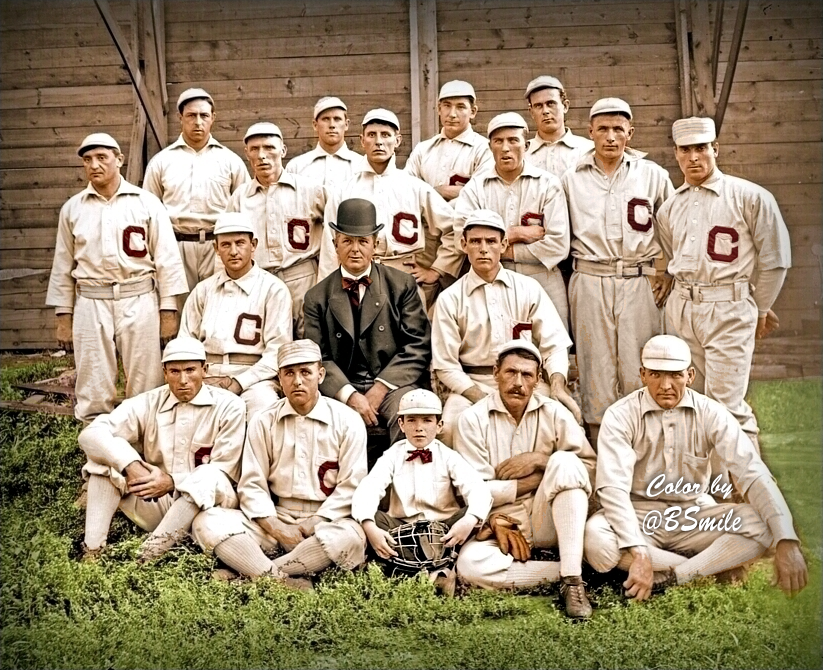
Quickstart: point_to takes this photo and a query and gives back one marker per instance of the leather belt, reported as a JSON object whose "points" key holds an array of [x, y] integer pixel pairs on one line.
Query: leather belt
{"points": [[115, 291], [201, 237], [233, 359], [726, 293], [478, 369], [614, 268]]}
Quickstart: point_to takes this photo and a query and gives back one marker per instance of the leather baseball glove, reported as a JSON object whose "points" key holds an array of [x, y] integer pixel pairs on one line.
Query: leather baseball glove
{"points": [[505, 530]]}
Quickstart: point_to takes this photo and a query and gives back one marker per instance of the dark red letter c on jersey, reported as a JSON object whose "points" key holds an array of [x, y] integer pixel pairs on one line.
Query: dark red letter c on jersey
{"points": [[634, 203], [712, 243], [128, 231], [398, 234]]}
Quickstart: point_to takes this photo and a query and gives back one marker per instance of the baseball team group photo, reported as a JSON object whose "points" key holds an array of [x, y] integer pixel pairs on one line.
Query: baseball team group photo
{"points": [[514, 364]]}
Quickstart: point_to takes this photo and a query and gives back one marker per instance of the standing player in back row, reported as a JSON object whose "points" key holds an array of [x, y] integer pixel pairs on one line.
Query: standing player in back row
{"points": [[615, 293], [406, 209], [194, 177], [331, 162], [554, 147], [722, 235]]}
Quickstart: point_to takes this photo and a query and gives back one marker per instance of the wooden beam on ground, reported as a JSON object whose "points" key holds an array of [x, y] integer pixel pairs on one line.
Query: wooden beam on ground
{"points": [[682, 29], [133, 67], [41, 408], [734, 53], [702, 57], [424, 68]]}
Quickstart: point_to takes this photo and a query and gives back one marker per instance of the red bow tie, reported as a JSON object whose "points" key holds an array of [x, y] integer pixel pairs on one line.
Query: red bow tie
{"points": [[425, 455], [352, 286]]}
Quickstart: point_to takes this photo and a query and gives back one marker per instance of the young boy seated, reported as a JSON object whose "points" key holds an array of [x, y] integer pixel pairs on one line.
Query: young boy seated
{"points": [[423, 474]]}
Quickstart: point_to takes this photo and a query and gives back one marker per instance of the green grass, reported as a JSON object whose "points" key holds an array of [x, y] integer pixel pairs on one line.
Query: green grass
{"points": [[59, 613]]}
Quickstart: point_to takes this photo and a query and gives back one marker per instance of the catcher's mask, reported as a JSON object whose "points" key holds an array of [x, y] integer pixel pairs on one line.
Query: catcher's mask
{"points": [[419, 546]]}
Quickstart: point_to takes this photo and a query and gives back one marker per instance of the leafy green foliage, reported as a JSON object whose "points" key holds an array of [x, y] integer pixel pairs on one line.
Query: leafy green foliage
{"points": [[60, 613]]}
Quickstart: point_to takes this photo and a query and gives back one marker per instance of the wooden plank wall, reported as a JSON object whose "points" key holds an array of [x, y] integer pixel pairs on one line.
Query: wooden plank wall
{"points": [[772, 130], [61, 77]]}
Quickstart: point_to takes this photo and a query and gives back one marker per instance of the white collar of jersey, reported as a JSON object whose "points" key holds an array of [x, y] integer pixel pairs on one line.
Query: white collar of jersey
{"points": [[474, 281], [647, 403], [343, 152], [365, 166], [349, 275], [713, 183], [537, 142], [203, 398], [629, 155], [180, 142], [285, 179], [535, 403], [124, 188], [320, 412], [465, 137], [529, 170], [404, 446], [246, 282]]}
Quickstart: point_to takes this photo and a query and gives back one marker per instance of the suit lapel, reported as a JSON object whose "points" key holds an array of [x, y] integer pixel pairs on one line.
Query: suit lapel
{"points": [[374, 300], [339, 304]]}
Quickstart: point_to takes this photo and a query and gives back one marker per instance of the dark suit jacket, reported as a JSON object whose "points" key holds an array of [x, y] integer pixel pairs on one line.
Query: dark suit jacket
{"points": [[395, 333]]}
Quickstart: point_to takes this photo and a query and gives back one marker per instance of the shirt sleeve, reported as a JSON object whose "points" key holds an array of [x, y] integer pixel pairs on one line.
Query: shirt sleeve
{"points": [[239, 173], [152, 180], [253, 489], [474, 490], [191, 320], [446, 344], [769, 232], [470, 441], [171, 277], [664, 231], [437, 212], [109, 439], [227, 450], [61, 282], [554, 247], [370, 491], [327, 257], [553, 340]]}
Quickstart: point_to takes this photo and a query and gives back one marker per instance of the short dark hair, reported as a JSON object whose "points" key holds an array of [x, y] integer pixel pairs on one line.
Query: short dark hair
{"points": [[523, 353], [563, 97]]}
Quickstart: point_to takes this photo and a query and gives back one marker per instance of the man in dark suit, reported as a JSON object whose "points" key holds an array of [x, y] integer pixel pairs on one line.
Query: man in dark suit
{"points": [[369, 321]]}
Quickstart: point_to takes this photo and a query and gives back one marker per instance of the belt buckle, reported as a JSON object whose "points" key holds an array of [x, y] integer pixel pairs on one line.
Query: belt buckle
{"points": [[696, 295], [202, 236]]}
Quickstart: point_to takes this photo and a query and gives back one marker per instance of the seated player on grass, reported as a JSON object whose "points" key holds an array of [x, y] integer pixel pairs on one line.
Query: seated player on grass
{"points": [[164, 455], [423, 474], [654, 471]]}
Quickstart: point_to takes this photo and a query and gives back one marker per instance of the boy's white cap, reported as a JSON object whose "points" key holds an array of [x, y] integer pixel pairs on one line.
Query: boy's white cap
{"points": [[233, 222], [98, 140], [506, 120], [381, 115], [694, 130], [543, 81], [184, 349], [328, 102], [519, 345], [485, 217], [667, 353], [610, 106], [262, 128], [457, 89], [192, 94], [420, 401], [299, 351]]}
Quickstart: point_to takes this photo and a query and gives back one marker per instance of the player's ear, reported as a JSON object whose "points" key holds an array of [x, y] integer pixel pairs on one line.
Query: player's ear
{"points": [[253, 244], [716, 148], [439, 427], [399, 139], [630, 133], [643, 375], [322, 374], [690, 376]]}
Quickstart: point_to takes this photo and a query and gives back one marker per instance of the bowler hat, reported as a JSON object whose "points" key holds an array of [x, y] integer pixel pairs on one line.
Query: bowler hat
{"points": [[356, 217]]}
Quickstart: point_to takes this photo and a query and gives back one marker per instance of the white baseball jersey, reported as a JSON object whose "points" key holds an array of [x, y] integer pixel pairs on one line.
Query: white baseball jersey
{"points": [[177, 437], [487, 435], [640, 441], [440, 161], [535, 198], [122, 240], [721, 231], [323, 167], [473, 319], [249, 315], [287, 218], [421, 490], [406, 207], [195, 185], [612, 217], [319, 457], [558, 156]]}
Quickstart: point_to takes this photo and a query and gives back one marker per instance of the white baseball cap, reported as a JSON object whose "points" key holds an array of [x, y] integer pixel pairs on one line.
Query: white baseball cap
{"points": [[457, 89], [233, 222], [694, 130], [487, 218], [610, 106], [667, 353], [519, 345], [299, 351], [328, 102], [381, 116], [192, 94], [543, 81], [262, 128], [419, 401], [98, 140], [184, 349], [507, 120]]}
